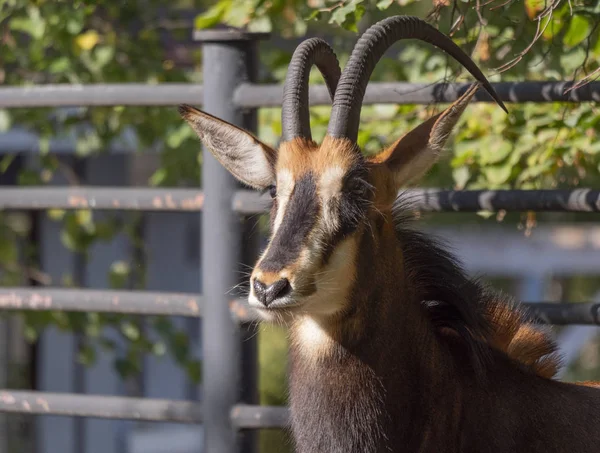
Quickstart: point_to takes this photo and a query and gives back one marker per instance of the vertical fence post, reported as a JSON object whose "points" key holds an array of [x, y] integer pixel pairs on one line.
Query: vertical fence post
{"points": [[228, 59]]}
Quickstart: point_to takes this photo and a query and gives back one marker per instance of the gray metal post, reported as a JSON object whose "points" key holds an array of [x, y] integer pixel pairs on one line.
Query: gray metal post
{"points": [[228, 60]]}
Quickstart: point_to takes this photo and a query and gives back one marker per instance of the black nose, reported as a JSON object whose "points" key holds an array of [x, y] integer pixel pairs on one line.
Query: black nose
{"points": [[267, 294]]}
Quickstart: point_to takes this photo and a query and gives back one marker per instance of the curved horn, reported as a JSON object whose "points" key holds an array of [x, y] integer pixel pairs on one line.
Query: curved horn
{"points": [[345, 114], [295, 119]]}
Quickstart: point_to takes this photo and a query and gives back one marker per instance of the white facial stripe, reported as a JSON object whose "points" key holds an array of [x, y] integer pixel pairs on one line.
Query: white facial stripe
{"points": [[333, 286], [331, 181], [334, 281], [285, 186], [330, 184]]}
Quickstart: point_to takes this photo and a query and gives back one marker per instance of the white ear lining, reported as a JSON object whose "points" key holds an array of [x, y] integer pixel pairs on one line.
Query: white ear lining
{"points": [[423, 157]]}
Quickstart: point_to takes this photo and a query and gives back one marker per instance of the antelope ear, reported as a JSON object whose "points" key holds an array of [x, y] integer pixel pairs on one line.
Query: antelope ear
{"points": [[247, 158], [411, 156]]}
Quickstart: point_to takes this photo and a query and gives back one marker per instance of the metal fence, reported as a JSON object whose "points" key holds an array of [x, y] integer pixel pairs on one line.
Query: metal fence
{"points": [[229, 367]]}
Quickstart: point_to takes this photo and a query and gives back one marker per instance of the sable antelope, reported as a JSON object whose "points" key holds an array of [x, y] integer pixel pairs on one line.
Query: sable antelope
{"points": [[393, 347]]}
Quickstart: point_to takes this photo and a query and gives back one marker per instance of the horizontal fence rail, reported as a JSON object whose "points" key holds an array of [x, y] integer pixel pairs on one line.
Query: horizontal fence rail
{"points": [[435, 200], [251, 95], [96, 95], [565, 313], [254, 417], [67, 404], [575, 200], [250, 202], [101, 301], [143, 303], [243, 416], [260, 95], [147, 303], [135, 199]]}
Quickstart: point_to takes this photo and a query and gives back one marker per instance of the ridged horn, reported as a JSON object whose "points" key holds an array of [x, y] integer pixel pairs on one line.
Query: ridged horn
{"points": [[295, 118], [347, 104]]}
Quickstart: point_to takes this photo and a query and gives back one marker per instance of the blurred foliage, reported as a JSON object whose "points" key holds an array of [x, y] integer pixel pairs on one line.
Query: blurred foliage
{"points": [[272, 382], [535, 146], [83, 41]]}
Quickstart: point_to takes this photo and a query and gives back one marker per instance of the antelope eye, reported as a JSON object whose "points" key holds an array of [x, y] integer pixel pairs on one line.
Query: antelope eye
{"points": [[356, 188], [272, 191]]}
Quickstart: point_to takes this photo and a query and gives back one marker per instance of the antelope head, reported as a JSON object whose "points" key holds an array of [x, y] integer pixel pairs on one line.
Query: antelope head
{"points": [[324, 194]]}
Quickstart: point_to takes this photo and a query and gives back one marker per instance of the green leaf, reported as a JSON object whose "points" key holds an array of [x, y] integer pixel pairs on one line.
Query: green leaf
{"points": [[60, 65], [194, 370], [119, 274], [86, 354], [594, 148], [5, 121], [87, 40], [348, 15], [262, 24], [579, 29], [315, 15], [213, 16], [56, 214], [33, 25], [533, 8], [104, 54], [180, 346], [461, 176], [131, 331], [163, 326], [84, 217], [158, 177], [6, 161], [159, 349], [31, 334], [497, 174], [495, 154], [384, 4], [8, 249], [69, 240], [126, 368], [74, 25]]}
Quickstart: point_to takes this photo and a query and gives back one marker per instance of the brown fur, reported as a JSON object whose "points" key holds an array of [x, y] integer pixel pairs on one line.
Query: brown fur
{"points": [[523, 342], [469, 375], [393, 348], [385, 381], [300, 155]]}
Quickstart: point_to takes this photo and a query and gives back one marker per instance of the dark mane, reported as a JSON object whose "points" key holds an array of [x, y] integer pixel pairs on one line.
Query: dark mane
{"points": [[484, 319]]}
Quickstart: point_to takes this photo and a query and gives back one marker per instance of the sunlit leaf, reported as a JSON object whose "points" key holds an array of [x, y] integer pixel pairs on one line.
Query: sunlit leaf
{"points": [[461, 176], [315, 15], [5, 121], [214, 15], [130, 330], [86, 354], [348, 15], [497, 174], [103, 55], [384, 4], [534, 7], [56, 214], [87, 40], [6, 161], [579, 29]]}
